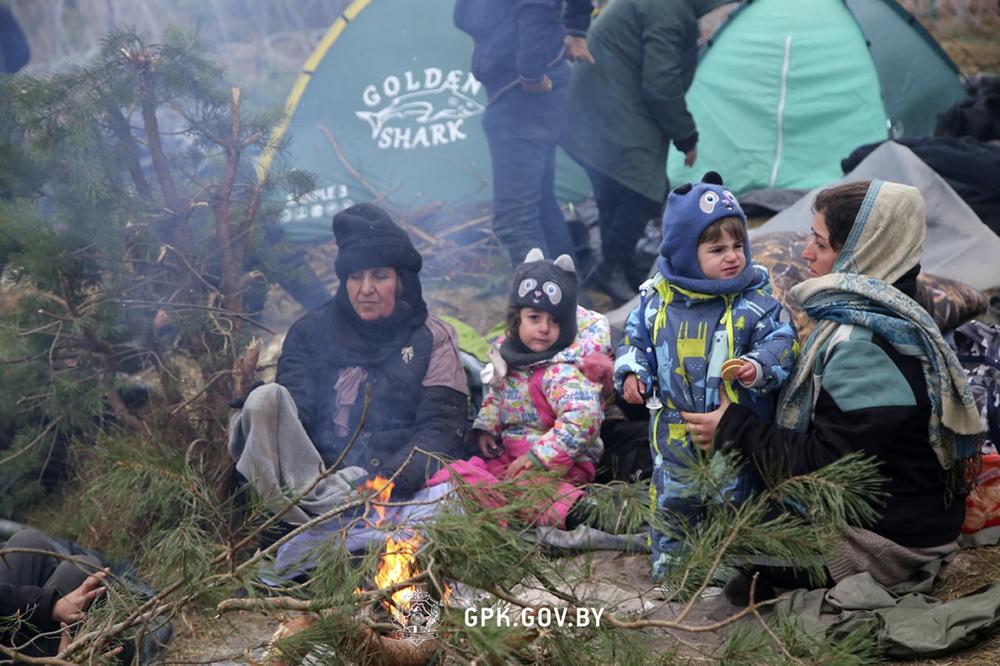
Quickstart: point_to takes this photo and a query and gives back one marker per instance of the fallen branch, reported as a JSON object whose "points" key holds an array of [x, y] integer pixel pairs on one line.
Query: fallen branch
{"points": [[313, 605]]}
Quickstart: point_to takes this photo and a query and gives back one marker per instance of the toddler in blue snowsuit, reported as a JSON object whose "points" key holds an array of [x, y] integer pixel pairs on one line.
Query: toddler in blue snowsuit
{"points": [[707, 304]]}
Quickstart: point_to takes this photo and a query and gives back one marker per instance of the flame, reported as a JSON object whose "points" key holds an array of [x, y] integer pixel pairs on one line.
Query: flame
{"points": [[446, 597], [398, 563], [384, 489]]}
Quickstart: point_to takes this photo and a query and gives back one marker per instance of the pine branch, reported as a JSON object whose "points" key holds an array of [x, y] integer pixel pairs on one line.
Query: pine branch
{"points": [[770, 632], [30, 445], [194, 306], [123, 131], [25, 659], [316, 605]]}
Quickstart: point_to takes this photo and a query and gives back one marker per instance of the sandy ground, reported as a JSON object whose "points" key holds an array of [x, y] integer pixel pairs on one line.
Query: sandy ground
{"points": [[616, 582]]}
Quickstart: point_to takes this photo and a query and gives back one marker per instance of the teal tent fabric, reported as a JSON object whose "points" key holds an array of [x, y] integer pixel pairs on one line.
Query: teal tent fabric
{"points": [[385, 110], [787, 88], [918, 79]]}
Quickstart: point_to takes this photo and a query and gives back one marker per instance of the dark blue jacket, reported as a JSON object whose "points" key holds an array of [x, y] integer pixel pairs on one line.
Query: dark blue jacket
{"points": [[518, 40]]}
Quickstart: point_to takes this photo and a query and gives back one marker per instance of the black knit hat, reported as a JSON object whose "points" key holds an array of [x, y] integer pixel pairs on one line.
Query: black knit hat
{"points": [[550, 286], [368, 238]]}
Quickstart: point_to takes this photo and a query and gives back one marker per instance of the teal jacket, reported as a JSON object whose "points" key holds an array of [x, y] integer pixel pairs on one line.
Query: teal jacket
{"points": [[629, 106], [871, 400]]}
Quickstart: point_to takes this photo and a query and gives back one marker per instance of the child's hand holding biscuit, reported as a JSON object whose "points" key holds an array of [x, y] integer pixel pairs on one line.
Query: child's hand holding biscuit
{"points": [[739, 369]]}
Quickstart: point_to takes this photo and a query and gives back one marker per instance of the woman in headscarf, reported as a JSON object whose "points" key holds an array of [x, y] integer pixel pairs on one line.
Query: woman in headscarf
{"points": [[373, 361], [875, 377]]}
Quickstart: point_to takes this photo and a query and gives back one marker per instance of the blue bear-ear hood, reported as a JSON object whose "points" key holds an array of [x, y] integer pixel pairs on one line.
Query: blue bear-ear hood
{"points": [[690, 209], [712, 177]]}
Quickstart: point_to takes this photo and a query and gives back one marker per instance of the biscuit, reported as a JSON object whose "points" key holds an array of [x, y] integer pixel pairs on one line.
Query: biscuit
{"points": [[730, 368]]}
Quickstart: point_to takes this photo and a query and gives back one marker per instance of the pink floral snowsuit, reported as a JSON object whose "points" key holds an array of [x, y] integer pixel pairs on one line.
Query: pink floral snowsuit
{"points": [[551, 410]]}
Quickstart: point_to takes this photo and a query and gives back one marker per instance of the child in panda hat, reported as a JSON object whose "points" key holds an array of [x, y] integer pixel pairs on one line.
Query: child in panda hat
{"points": [[706, 326], [543, 408]]}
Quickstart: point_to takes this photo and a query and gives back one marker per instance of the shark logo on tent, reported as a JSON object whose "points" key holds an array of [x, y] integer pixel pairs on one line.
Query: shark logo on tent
{"points": [[415, 111]]}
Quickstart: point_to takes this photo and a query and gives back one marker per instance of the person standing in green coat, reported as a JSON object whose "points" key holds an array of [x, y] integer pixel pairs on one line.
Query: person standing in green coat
{"points": [[627, 107]]}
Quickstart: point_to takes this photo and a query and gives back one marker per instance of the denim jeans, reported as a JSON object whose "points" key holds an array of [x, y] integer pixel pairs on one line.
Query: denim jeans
{"points": [[622, 215], [522, 130]]}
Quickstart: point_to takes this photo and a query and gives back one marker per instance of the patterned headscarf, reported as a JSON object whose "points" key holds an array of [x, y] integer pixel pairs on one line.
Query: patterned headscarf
{"points": [[885, 242]]}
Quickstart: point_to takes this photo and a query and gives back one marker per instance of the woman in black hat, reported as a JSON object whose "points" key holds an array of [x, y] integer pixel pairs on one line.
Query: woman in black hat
{"points": [[370, 361]]}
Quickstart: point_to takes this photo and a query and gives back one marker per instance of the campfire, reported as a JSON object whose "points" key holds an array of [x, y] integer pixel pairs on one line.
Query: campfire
{"points": [[398, 563], [411, 608]]}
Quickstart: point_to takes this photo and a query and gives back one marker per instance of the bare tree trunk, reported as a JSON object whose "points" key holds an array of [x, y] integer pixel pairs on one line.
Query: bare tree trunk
{"points": [[232, 289], [172, 200], [121, 129]]}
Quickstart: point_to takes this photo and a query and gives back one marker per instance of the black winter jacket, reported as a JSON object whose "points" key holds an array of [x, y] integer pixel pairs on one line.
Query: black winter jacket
{"points": [[403, 414]]}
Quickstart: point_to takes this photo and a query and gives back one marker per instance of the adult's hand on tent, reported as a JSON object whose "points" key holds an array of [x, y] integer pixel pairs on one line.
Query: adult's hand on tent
{"points": [[690, 156], [577, 49]]}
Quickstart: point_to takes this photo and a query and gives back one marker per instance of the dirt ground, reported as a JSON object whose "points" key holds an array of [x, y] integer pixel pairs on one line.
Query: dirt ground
{"points": [[620, 584], [235, 638]]}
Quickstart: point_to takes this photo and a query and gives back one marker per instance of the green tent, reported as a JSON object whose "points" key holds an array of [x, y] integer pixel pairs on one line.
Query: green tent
{"points": [[788, 88], [386, 109]]}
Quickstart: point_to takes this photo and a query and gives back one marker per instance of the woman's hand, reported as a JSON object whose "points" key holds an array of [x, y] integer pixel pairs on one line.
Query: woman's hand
{"points": [[702, 427], [633, 390], [73, 607], [488, 446]]}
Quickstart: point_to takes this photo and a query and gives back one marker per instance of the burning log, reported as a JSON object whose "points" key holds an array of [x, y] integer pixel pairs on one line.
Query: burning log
{"points": [[409, 614], [290, 627], [370, 645], [412, 609]]}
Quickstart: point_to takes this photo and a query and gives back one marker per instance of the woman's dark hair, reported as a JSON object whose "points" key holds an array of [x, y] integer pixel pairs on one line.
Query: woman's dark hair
{"points": [[840, 206], [730, 225]]}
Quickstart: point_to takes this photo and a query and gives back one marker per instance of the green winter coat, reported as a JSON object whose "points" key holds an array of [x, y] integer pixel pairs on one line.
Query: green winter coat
{"points": [[627, 108]]}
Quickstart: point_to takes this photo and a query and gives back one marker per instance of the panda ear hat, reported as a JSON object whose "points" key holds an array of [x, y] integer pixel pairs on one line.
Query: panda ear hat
{"points": [[547, 285]]}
